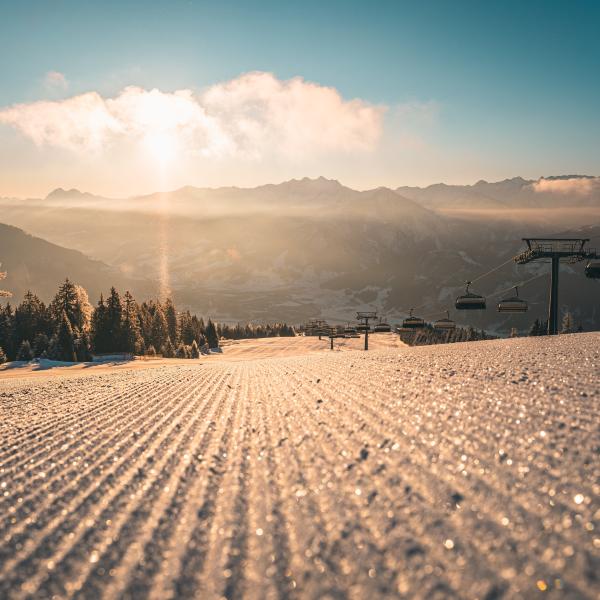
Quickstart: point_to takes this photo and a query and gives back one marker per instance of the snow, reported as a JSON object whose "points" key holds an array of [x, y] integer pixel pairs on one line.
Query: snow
{"points": [[467, 470]]}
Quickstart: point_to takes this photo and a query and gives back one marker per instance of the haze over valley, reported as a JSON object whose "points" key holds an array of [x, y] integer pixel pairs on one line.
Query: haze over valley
{"points": [[316, 248]]}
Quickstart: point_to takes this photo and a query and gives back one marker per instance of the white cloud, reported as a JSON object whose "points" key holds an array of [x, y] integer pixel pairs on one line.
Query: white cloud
{"points": [[56, 80], [253, 115], [581, 186]]}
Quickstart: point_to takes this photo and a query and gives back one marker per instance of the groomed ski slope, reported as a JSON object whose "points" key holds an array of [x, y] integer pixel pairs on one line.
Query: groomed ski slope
{"points": [[468, 470]]}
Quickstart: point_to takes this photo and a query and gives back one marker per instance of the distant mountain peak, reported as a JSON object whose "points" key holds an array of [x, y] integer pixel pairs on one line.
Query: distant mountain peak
{"points": [[318, 182], [62, 193]]}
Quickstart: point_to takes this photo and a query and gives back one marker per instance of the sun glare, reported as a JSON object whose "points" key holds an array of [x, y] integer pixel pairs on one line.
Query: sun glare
{"points": [[162, 147]]}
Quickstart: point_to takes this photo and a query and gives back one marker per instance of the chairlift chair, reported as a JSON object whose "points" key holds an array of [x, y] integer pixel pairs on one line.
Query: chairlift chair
{"points": [[470, 300], [592, 269], [445, 324], [514, 304], [382, 327], [413, 322]]}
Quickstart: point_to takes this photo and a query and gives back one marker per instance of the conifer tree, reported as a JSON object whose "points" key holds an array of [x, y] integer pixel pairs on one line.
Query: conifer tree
{"points": [[211, 335], [82, 344], [195, 350], [30, 318], [65, 349], [132, 339], [567, 323], [114, 317], [100, 339], [145, 318], [25, 352], [6, 331], [186, 328], [160, 328], [3, 358], [171, 316], [40, 344], [535, 328], [65, 301], [167, 350]]}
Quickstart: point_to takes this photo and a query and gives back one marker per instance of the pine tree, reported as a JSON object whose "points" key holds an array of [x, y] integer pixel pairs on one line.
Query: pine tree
{"points": [[82, 346], [535, 328], [25, 352], [84, 310], [167, 349], [150, 351], [195, 350], [40, 344], [3, 358], [132, 339], [211, 335], [65, 349], [171, 316], [7, 331], [114, 318], [160, 328], [65, 301], [100, 339], [30, 318], [567, 323], [187, 330]]}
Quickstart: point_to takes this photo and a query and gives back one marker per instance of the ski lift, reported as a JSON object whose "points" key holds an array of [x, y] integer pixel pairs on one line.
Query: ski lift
{"points": [[413, 322], [445, 324], [470, 301], [382, 327], [514, 304], [349, 330], [592, 269], [362, 328]]}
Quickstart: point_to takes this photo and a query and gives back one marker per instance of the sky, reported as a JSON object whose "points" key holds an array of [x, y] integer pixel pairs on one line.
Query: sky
{"points": [[122, 98]]}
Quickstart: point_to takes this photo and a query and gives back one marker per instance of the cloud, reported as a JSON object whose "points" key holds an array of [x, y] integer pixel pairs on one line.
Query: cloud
{"points": [[252, 116], [56, 80], [581, 186]]}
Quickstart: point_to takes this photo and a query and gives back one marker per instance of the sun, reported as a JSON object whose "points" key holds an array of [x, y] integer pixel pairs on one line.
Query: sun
{"points": [[162, 147]]}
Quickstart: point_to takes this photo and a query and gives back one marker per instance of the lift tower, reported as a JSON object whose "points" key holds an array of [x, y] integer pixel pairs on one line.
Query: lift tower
{"points": [[554, 249], [365, 317]]}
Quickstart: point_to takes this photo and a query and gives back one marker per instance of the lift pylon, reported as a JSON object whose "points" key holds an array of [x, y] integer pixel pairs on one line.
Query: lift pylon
{"points": [[555, 249], [365, 317]]}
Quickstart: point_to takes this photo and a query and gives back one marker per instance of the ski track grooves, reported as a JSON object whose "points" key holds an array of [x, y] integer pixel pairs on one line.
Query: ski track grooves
{"points": [[418, 473]]}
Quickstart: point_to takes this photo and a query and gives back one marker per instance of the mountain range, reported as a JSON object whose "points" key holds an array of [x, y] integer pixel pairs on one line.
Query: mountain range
{"points": [[315, 248]]}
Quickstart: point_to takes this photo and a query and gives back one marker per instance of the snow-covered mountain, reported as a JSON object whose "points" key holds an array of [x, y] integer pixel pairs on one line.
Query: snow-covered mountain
{"points": [[313, 247], [563, 191]]}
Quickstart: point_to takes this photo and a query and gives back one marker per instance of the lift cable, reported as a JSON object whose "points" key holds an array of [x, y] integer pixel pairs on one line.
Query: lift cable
{"points": [[510, 260], [504, 291], [522, 284]]}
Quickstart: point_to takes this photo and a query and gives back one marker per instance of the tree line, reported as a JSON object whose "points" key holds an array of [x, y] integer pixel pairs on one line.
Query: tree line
{"points": [[70, 329], [540, 326], [429, 335]]}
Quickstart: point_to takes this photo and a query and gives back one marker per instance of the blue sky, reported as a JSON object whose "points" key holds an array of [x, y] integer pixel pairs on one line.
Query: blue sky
{"points": [[493, 90]]}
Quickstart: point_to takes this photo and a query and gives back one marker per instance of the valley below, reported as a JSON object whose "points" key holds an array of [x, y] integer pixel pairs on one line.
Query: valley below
{"points": [[309, 248]]}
